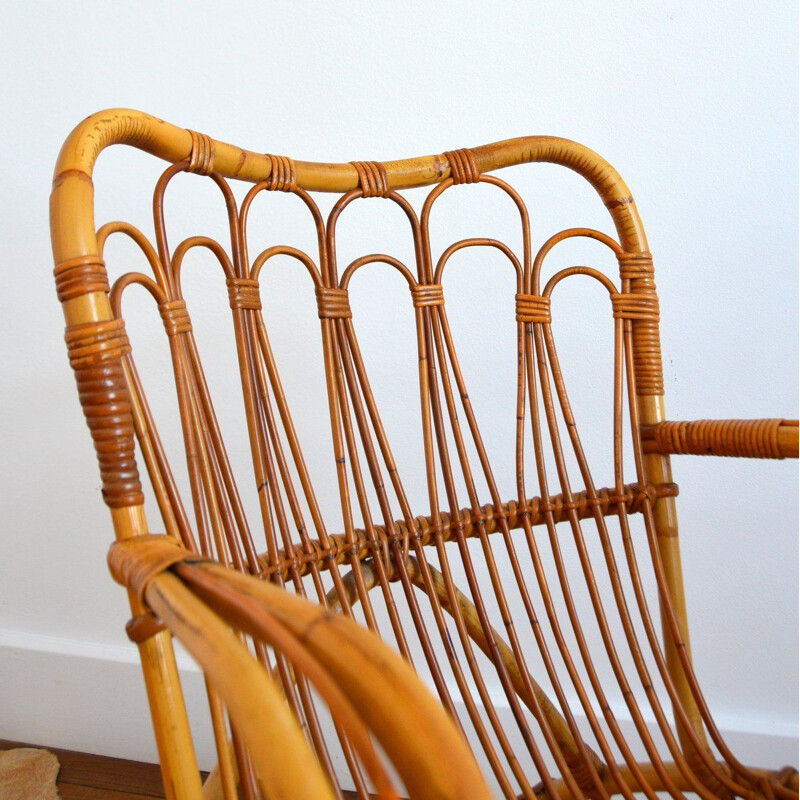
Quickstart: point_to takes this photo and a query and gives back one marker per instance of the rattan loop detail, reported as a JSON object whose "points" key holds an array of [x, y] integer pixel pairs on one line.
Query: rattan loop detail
{"points": [[282, 174], [201, 156], [427, 615], [463, 168], [532, 308], [427, 294], [243, 293], [79, 276], [371, 178], [175, 317], [333, 303]]}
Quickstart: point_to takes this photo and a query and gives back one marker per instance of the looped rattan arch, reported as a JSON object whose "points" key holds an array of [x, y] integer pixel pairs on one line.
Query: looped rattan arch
{"points": [[531, 618]]}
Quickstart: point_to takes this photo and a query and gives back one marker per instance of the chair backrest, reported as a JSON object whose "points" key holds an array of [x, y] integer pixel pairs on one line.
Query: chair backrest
{"points": [[529, 632]]}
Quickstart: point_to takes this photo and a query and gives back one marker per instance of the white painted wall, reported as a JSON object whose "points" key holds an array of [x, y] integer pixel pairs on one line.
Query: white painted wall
{"points": [[695, 103]]}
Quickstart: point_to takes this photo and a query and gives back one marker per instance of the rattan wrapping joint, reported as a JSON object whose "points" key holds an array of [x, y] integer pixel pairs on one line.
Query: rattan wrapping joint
{"points": [[243, 293], [532, 308], [371, 178], [468, 523], [736, 438], [79, 276], [282, 174], [175, 317], [427, 294], [201, 156], [463, 168], [637, 269], [136, 561], [333, 303], [95, 351], [636, 266], [635, 306]]}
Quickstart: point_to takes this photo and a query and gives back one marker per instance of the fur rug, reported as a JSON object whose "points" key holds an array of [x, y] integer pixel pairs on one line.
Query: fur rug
{"points": [[28, 774]]}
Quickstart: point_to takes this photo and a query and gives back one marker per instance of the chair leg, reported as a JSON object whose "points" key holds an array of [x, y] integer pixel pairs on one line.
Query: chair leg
{"points": [[174, 741], [217, 785], [176, 755]]}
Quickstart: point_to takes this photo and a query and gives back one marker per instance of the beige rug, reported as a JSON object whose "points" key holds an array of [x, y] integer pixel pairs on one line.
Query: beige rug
{"points": [[28, 774]]}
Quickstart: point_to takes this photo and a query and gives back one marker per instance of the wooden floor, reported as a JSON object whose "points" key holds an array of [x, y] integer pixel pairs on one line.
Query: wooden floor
{"points": [[88, 777]]}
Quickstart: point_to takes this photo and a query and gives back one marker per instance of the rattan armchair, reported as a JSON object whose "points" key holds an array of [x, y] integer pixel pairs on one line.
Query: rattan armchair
{"points": [[300, 692]]}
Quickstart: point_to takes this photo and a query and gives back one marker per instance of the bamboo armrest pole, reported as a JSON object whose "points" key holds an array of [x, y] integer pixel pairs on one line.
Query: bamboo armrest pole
{"points": [[430, 755], [737, 438], [362, 681], [788, 439], [286, 768]]}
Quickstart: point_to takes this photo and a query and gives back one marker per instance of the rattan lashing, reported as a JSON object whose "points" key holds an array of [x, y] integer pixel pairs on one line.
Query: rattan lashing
{"points": [[466, 632]]}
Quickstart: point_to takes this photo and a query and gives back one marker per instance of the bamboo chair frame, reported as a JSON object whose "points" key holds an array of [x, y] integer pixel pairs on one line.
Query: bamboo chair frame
{"points": [[260, 646]]}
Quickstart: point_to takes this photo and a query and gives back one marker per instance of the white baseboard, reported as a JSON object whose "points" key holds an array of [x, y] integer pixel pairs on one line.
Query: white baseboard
{"points": [[85, 697], [91, 698]]}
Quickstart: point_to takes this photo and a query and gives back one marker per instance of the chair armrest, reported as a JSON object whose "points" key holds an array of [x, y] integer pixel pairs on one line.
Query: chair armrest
{"points": [[368, 688], [740, 438]]}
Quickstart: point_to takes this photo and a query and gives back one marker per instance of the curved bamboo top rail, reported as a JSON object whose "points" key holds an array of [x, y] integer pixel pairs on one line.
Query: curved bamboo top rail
{"points": [[72, 222]]}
